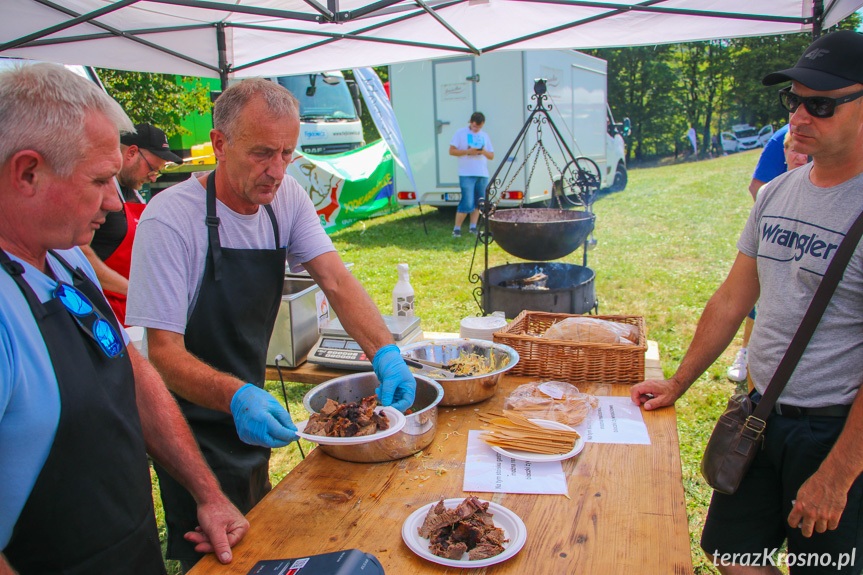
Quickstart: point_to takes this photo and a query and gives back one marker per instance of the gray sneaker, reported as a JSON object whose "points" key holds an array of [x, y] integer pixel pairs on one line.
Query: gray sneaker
{"points": [[456, 233]]}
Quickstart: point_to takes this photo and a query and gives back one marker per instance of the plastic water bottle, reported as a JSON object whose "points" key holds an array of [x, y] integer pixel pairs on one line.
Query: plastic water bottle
{"points": [[403, 294]]}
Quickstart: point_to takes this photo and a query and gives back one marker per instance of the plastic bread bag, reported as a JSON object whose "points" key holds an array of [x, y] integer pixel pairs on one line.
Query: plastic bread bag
{"points": [[554, 400], [593, 330]]}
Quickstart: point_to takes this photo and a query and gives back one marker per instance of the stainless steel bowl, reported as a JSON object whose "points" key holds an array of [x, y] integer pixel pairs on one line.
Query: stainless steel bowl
{"points": [[417, 434], [465, 390]]}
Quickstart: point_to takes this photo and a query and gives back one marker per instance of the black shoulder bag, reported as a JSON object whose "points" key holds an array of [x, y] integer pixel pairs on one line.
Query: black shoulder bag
{"points": [[739, 433]]}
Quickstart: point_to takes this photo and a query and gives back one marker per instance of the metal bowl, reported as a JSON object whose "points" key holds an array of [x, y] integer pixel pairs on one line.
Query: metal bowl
{"points": [[465, 390], [417, 434], [540, 234]]}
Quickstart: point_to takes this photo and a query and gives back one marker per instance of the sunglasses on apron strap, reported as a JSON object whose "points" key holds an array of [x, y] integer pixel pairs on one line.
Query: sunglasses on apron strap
{"points": [[89, 319]]}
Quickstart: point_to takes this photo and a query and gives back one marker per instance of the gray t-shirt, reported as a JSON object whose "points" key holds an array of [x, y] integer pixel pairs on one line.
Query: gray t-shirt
{"points": [[793, 231], [170, 249]]}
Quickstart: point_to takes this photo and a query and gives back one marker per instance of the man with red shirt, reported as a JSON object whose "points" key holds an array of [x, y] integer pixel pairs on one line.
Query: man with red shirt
{"points": [[145, 153]]}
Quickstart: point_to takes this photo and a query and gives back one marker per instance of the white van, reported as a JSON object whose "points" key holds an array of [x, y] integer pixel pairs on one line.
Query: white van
{"points": [[329, 112], [432, 99]]}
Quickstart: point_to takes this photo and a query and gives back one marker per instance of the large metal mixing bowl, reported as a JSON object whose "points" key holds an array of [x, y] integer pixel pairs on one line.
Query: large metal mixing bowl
{"points": [[417, 434], [465, 390], [540, 234]]}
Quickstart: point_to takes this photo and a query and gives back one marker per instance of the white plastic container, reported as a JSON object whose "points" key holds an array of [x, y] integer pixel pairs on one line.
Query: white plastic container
{"points": [[474, 327], [403, 294]]}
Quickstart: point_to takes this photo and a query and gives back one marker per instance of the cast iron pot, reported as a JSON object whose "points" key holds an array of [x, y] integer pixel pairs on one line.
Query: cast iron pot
{"points": [[540, 234]]}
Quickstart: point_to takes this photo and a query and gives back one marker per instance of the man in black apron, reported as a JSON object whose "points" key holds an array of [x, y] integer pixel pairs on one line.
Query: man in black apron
{"points": [[206, 280], [79, 409]]}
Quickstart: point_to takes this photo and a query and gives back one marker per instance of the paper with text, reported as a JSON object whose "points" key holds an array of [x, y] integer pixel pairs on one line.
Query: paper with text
{"points": [[486, 470], [616, 420]]}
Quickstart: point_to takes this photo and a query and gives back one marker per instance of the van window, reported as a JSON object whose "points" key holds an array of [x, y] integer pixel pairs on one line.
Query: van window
{"points": [[331, 99]]}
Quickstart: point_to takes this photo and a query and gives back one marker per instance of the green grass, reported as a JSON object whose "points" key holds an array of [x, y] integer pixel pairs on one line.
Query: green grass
{"points": [[665, 245]]}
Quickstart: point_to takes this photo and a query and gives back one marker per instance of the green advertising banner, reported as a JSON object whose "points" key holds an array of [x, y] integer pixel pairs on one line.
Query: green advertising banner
{"points": [[349, 187]]}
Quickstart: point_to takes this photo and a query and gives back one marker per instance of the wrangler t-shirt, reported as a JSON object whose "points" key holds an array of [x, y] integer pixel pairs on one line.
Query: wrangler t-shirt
{"points": [[794, 230]]}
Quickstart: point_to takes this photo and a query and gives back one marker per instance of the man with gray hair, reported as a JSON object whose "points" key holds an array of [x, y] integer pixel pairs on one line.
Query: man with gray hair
{"points": [[79, 408], [206, 281]]}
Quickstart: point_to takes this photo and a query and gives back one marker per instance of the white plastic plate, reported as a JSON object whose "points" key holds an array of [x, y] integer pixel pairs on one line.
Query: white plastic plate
{"points": [[397, 422], [542, 457], [512, 525]]}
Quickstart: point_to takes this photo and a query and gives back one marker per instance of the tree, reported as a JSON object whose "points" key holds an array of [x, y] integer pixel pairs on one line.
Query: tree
{"points": [[162, 100], [641, 86], [707, 85], [754, 58]]}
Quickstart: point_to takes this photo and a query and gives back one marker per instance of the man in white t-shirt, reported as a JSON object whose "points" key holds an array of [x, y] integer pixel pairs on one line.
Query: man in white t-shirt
{"points": [[208, 269], [473, 149]]}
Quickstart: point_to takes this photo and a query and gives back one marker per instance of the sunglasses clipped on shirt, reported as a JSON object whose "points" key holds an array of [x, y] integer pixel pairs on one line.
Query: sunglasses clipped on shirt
{"points": [[89, 319], [817, 106]]}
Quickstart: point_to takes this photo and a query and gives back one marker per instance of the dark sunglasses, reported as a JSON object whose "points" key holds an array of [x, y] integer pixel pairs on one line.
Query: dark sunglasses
{"points": [[817, 106], [89, 319]]}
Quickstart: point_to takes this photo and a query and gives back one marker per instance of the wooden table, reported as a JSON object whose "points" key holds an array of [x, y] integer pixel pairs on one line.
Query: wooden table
{"points": [[625, 512]]}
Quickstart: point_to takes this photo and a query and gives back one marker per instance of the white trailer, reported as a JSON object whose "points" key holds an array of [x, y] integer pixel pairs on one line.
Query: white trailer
{"points": [[432, 99]]}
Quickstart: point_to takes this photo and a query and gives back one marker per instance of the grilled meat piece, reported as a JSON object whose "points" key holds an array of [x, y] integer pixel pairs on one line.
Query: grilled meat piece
{"points": [[435, 521], [316, 427], [469, 527], [453, 551], [484, 551], [493, 535], [464, 532], [347, 419], [330, 407]]}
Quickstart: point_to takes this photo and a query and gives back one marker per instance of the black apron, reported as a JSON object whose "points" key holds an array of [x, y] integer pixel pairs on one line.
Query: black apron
{"points": [[230, 330], [93, 492]]}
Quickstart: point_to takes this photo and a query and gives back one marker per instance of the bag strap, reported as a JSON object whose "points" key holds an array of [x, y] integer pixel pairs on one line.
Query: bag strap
{"points": [[834, 273]]}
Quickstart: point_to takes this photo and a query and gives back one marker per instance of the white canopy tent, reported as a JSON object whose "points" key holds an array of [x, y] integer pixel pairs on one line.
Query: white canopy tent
{"points": [[243, 38]]}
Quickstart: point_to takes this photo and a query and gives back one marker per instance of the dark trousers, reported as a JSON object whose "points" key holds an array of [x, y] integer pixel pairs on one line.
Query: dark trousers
{"points": [[755, 518]]}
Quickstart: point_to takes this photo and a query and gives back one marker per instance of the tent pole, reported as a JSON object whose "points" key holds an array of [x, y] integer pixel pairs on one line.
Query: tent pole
{"points": [[222, 47], [817, 17]]}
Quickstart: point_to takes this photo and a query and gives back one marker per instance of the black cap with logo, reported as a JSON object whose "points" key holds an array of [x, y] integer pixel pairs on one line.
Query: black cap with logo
{"points": [[152, 139], [831, 62]]}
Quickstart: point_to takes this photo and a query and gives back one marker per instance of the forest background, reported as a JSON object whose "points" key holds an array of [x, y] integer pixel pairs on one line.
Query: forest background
{"points": [[664, 90]]}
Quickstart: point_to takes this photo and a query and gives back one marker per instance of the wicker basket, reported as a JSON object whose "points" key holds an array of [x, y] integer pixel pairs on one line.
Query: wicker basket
{"points": [[574, 362]]}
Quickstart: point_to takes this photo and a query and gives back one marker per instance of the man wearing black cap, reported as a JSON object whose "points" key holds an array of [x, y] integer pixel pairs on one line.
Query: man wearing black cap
{"points": [[804, 486], [145, 153]]}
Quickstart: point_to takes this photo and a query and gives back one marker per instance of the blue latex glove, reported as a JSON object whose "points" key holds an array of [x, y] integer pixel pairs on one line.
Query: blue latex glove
{"points": [[398, 386], [260, 419]]}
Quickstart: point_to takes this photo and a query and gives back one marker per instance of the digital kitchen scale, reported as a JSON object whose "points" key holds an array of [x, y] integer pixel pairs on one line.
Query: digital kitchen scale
{"points": [[335, 348]]}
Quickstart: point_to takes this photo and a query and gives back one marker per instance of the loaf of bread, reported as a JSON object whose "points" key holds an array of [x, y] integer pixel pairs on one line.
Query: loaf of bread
{"points": [[593, 330]]}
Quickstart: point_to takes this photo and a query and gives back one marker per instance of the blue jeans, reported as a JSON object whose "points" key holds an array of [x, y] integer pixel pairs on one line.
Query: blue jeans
{"points": [[472, 189]]}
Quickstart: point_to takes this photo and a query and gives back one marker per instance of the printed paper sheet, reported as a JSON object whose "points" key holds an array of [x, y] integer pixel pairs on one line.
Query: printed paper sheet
{"points": [[486, 470]]}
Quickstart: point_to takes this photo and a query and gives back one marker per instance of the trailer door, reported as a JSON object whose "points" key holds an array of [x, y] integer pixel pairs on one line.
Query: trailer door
{"points": [[454, 102]]}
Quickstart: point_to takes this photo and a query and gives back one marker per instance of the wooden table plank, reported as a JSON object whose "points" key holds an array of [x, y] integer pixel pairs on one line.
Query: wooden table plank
{"points": [[625, 512]]}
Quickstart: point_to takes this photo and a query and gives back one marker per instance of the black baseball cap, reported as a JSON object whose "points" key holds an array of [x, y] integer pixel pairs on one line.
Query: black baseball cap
{"points": [[152, 139], [831, 62]]}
